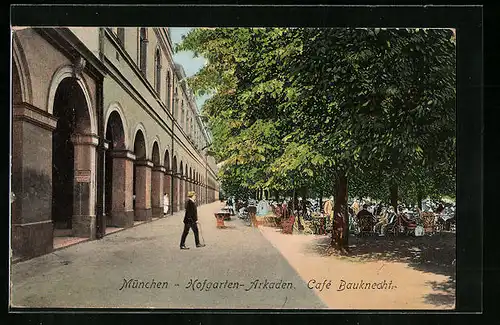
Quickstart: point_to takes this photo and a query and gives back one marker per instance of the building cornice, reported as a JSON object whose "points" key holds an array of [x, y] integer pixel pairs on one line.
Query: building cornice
{"points": [[63, 39]]}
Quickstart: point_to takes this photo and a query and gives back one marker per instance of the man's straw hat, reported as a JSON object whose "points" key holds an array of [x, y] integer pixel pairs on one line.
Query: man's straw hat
{"points": [[191, 193]]}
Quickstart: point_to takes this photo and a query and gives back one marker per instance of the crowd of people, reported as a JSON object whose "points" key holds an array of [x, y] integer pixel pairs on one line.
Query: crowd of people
{"points": [[364, 216]]}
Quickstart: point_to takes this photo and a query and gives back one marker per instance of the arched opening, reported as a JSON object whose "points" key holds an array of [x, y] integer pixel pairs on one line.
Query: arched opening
{"points": [[156, 188], [158, 70], [115, 135], [156, 154], [190, 179], [169, 89], [16, 159], [17, 96], [140, 155], [183, 113], [70, 108], [176, 104], [143, 50], [166, 182], [176, 185], [181, 186], [195, 180]]}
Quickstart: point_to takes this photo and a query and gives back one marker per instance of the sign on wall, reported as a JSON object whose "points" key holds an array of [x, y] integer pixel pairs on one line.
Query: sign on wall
{"points": [[82, 176]]}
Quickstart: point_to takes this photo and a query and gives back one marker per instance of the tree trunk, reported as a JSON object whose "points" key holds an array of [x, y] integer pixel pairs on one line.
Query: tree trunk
{"points": [[304, 206], [294, 200], [340, 233], [304, 197], [320, 201], [394, 197], [419, 200], [276, 196]]}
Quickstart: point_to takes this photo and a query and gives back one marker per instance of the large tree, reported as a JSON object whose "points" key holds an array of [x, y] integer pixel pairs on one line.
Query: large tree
{"points": [[312, 108]]}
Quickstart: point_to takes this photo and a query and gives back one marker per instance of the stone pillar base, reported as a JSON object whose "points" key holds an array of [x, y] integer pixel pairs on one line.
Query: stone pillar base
{"points": [[143, 214], [84, 226], [32, 239], [157, 212], [122, 219]]}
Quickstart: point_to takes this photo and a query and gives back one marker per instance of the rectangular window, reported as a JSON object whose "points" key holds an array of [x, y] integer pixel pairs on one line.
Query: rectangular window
{"points": [[168, 91], [143, 50], [121, 36]]}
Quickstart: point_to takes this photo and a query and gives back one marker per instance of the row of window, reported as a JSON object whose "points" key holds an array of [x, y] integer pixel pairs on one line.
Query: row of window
{"points": [[185, 121]]}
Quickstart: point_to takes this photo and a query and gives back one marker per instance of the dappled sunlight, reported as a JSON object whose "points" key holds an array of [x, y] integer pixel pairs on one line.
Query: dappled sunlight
{"points": [[421, 268]]}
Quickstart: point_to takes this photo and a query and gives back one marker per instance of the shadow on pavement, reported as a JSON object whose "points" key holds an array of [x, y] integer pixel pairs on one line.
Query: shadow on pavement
{"points": [[445, 293], [434, 254]]}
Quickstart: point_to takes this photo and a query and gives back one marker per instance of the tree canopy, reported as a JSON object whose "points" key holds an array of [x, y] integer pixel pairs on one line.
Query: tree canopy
{"points": [[312, 107]]}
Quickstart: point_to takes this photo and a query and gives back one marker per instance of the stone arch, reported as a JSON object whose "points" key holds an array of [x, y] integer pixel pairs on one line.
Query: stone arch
{"points": [[23, 75], [157, 69], [167, 179], [166, 159], [156, 140], [114, 173], [140, 148], [17, 88], [115, 131], [174, 164], [140, 127], [72, 151], [115, 107], [155, 154], [64, 72], [175, 184]]}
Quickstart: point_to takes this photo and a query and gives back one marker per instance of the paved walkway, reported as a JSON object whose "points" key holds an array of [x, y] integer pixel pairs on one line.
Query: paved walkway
{"points": [[144, 267], [407, 265]]}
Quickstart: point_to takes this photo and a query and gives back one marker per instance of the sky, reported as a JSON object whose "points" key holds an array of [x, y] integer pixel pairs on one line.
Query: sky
{"points": [[185, 58]]}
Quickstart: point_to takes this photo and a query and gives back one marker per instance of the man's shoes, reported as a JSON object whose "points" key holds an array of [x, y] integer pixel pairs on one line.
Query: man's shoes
{"points": [[184, 247], [200, 245]]}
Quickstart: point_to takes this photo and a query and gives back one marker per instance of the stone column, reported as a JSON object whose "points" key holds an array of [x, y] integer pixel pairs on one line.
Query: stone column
{"points": [[84, 186], [32, 228], [122, 210], [143, 190], [167, 188], [182, 192], [157, 191], [175, 194]]}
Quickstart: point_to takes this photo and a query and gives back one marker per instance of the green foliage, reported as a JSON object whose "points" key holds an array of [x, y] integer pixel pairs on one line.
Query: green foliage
{"points": [[294, 107]]}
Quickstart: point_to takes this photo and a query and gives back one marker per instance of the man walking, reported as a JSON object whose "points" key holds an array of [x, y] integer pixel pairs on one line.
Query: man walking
{"points": [[191, 221]]}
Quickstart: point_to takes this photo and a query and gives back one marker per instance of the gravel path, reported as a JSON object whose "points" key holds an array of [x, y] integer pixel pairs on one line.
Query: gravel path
{"points": [[418, 272], [143, 267]]}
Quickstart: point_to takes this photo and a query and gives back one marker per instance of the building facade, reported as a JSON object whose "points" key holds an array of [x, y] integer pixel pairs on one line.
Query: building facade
{"points": [[104, 128]]}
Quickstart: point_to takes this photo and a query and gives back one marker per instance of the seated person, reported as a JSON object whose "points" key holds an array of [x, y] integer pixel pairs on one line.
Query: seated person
{"points": [[440, 209], [383, 221], [365, 218], [378, 209], [406, 221], [363, 213]]}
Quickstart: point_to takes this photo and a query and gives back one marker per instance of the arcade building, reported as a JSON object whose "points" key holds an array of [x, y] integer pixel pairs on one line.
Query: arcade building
{"points": [[104, 128]]}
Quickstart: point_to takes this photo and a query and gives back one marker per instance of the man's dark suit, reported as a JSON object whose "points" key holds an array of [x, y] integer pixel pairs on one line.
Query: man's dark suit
{"points": [[190, 219]]}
